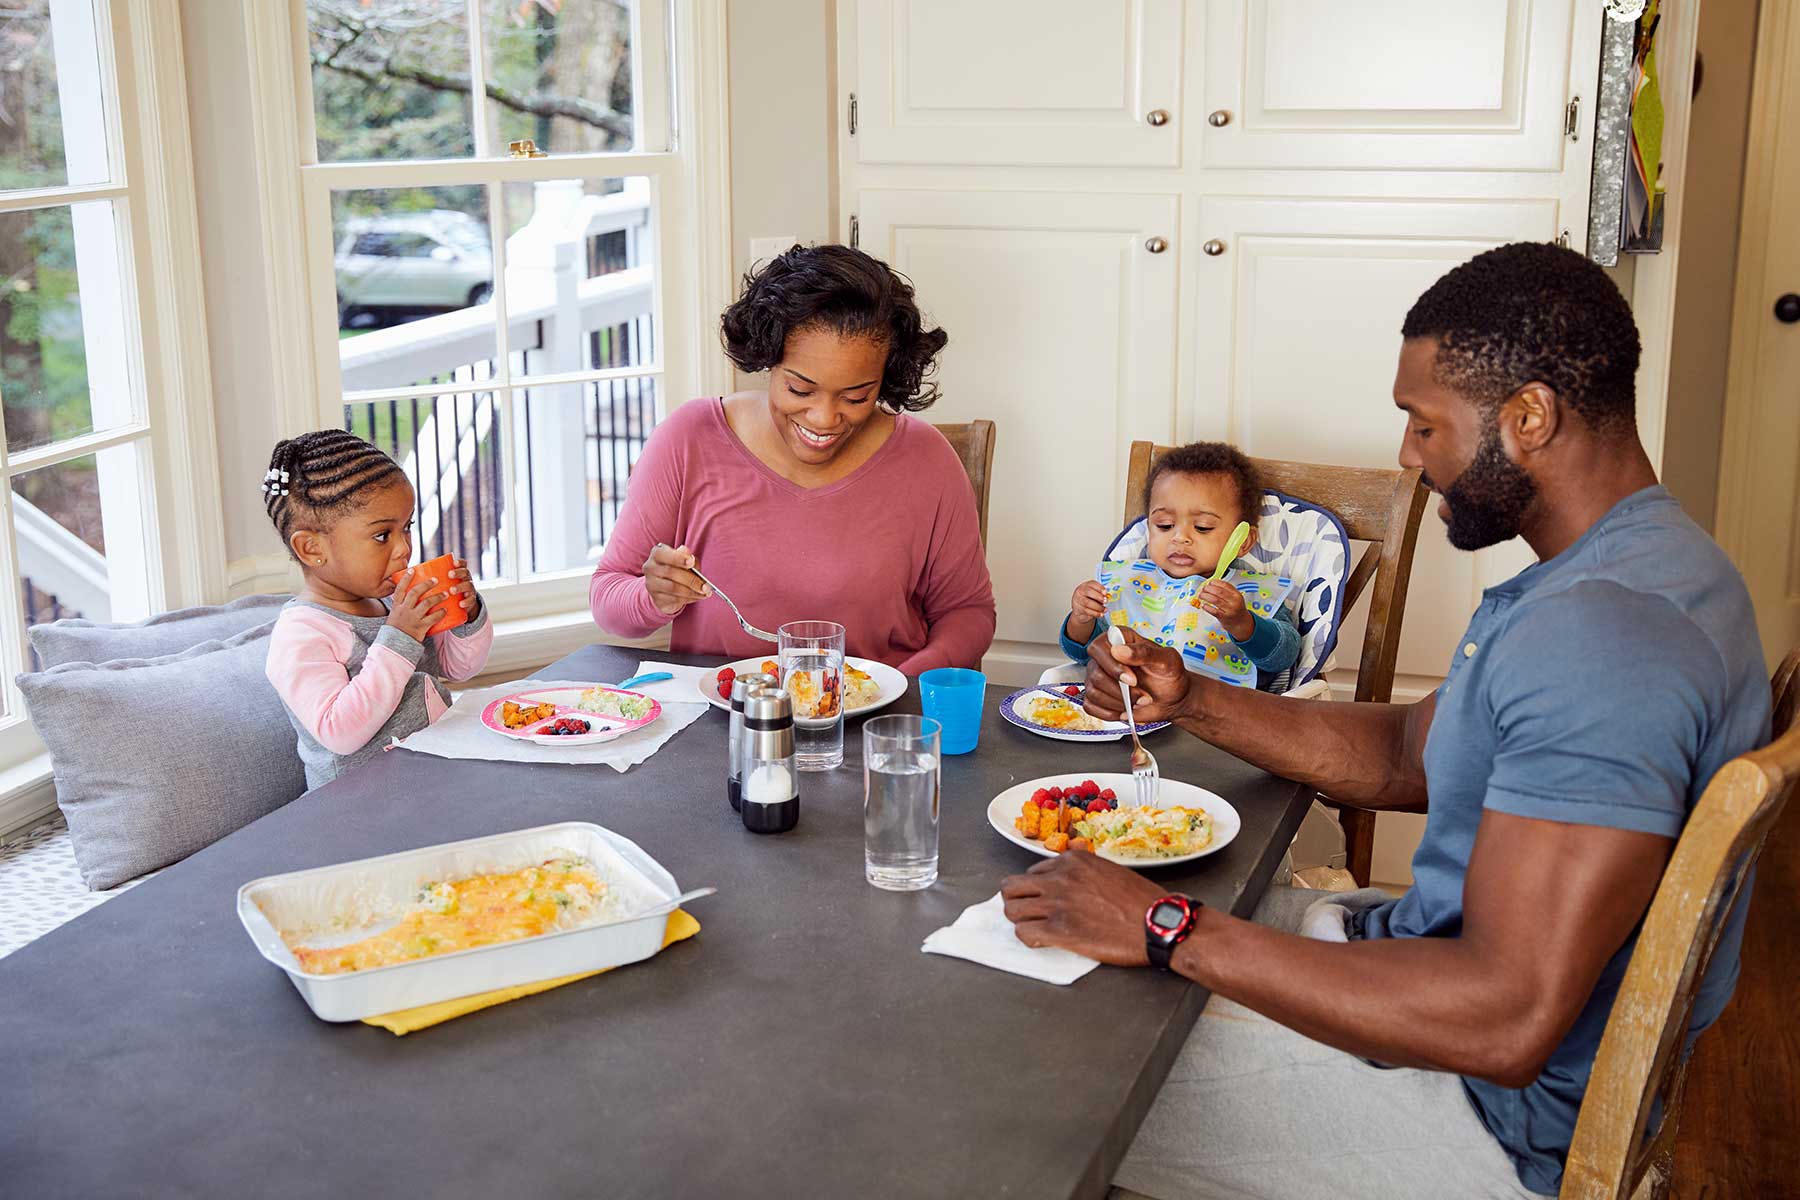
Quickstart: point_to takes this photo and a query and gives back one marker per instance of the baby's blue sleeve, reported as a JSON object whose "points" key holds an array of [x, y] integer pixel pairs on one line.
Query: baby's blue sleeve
{"points": [[1274, 644], [1077, 651]]}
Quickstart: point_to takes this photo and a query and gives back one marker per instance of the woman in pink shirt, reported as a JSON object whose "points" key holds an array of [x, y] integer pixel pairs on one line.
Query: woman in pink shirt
{"points": [[819, 498]]}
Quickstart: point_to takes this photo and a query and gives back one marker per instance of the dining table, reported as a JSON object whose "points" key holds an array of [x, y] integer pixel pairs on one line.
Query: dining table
{"points": [[800, 1045]]}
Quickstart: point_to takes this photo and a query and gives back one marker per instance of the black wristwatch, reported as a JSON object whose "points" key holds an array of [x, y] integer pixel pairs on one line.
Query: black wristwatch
{"points": [[1166, 926]]}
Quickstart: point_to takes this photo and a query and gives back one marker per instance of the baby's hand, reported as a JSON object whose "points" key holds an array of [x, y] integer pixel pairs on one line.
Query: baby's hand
{"points": [[415, 606], [462, 588], [1227, 604], [1089, 601]]}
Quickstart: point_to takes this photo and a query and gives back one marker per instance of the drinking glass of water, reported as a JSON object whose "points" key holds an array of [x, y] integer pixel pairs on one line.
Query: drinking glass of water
{"points": [[900, 802], [812, 671]]}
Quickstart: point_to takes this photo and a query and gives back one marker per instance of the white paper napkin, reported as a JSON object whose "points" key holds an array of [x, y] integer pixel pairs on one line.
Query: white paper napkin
{"points": [[459, 733], [983, 935]]}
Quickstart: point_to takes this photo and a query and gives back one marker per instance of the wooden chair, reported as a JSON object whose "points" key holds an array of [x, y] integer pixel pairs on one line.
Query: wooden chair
{"points": [[974, 444], [1640, 1056], [1377, 506]]}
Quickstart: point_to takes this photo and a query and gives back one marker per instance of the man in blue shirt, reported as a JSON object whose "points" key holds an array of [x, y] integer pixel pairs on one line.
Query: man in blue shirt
{"points": [[1582, 714]]}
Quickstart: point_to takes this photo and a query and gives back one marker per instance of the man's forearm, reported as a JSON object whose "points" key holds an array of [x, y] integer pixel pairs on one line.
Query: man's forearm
{"points": [[1368, 755]]}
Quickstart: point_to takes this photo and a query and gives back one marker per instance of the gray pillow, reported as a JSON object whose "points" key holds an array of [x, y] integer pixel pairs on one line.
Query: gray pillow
{"points": [[76, 640], [157, 758]]}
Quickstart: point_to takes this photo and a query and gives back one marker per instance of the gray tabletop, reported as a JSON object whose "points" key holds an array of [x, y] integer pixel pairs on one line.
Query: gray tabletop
{"points": [[801, 1045]]}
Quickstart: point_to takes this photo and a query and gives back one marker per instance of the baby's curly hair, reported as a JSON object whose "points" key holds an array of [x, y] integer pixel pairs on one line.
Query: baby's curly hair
{"points": [[1533, 312], [848, 292], [1212, 458], [320, 475]]}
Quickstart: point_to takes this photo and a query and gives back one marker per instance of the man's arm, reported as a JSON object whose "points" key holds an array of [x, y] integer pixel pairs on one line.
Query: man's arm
{"points": [[1546, 905], [1369, 755]]}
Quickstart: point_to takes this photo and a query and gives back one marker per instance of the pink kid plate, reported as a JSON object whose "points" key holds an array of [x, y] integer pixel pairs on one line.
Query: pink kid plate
{"points": [[567, 701]]}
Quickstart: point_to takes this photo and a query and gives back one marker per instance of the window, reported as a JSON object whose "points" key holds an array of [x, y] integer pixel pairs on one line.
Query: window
{"points": [[82, 439], [494, 317]]}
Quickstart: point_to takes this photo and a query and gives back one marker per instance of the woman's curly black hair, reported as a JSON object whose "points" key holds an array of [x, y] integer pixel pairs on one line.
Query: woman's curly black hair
{"points": [[849, 293]]}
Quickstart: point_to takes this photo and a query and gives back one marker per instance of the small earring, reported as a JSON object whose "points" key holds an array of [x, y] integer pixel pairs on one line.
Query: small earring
{"points": [[319, 562]]}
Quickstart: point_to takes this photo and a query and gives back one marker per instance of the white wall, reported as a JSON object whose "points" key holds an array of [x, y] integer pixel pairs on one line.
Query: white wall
{"points": [[231, 237]]}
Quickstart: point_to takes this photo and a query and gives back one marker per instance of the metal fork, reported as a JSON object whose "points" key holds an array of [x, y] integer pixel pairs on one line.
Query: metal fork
{"points": [[748, 628], [1146, 776]]}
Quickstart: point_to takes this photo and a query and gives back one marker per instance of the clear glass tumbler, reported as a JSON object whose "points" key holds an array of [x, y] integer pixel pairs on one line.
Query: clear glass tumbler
{"points": [[900, 802], [812, 671]]}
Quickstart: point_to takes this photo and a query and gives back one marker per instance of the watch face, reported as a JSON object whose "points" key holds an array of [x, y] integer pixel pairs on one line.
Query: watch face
{"points": [[1167, 915]]}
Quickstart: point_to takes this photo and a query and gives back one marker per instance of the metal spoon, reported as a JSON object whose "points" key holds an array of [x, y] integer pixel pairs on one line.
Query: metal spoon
{"points": [[750, 629]]}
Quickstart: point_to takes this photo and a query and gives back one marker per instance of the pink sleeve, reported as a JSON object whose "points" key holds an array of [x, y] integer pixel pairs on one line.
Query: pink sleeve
{"points": [[652, 512], [307, 653], [956, 594], [463, 651]]}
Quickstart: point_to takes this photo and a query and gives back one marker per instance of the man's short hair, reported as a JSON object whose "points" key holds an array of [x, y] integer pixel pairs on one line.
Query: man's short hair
{"points": [[1533, 312]]}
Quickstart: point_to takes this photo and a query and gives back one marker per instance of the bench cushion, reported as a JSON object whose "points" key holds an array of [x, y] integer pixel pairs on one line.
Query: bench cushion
{"points": [[76, 640]]}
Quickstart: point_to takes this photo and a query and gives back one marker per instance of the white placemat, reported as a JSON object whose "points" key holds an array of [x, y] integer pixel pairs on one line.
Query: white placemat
{"points": [[459, 733], [983, 935]]}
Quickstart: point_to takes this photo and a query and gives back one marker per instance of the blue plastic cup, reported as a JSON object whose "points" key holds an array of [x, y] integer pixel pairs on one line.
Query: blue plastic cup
{"points": [[954, 698]]}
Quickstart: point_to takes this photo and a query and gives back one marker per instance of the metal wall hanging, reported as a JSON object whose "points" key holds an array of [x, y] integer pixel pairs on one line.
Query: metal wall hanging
{"points": [[1626, 198]]}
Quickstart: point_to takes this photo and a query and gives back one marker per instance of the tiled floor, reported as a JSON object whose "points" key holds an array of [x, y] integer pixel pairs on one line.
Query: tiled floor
{"points": [[40, 886]]}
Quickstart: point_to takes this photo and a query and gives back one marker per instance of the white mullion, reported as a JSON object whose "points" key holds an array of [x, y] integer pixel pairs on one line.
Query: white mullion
{"points": [[450, 172], [70, 449], [31, 199], [502, 390], [478, 100]]}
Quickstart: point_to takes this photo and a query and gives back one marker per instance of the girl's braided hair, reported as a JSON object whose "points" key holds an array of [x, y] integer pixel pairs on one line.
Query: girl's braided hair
{"points": [[319, 474]]}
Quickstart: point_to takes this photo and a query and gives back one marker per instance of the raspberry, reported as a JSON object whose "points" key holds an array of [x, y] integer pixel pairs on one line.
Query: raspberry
{"points": [[1038, 797], [1056, 793], [1072, 690], [1109, 795], [1089, 788]]}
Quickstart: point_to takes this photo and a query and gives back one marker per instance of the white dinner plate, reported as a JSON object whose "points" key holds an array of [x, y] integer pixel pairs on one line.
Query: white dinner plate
{"points": [[892, 683], [1005, 807], [1016, 710]]}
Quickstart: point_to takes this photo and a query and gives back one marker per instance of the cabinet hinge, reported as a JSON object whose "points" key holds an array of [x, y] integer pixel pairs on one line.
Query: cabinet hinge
{"points": [[855, 233], [1562, 239], [1571, 119], [852, 114]]}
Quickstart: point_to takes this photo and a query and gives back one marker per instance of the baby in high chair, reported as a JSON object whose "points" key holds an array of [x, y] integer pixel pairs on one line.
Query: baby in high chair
{"points": [[352, 656], [1195, 496]]}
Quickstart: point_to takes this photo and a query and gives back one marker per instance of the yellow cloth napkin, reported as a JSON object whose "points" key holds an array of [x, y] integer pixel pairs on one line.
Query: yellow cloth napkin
{"points": [[681, 926]]}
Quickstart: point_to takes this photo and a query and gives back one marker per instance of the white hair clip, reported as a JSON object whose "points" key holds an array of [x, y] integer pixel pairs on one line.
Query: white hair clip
{"points": [[273, 490], [272, 474]]}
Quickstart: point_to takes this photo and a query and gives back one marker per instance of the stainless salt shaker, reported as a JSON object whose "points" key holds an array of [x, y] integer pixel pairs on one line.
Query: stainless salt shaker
{"points": [[769, 792], [741, 688]]}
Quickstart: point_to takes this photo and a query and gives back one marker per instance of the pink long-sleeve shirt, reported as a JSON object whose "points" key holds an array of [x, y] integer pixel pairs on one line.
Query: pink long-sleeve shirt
{"points": [[353, 684], [892, 551]]}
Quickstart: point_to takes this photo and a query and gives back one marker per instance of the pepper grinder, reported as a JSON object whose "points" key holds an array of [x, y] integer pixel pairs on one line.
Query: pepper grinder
{"points": [[734, 751], [770, 795]]}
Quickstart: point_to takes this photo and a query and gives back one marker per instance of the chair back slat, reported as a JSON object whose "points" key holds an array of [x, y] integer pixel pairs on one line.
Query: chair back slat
{"points": [[973, 442], [1640, 1053]]}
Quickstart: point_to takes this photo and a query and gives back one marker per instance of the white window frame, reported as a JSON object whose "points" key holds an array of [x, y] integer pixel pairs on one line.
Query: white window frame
{"points": [[152, 192], [689, 185]]}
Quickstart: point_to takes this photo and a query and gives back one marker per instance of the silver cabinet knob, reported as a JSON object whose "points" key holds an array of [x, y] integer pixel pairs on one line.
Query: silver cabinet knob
{"points": [[1157, 117], [1156, 245], [1218, 118], [1213, 247]]}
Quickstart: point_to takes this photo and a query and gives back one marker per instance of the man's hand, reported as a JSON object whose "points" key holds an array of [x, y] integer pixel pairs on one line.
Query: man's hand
{"points": [[1226, 603], [1159, 683], [1082, 903]]}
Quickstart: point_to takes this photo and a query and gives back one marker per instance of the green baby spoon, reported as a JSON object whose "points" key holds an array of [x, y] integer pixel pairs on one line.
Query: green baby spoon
{"points": [[1233, 545]]}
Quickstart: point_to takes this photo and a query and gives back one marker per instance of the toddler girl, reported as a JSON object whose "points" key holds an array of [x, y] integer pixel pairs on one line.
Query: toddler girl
{"points": [[1194, 498], [349, 656]]}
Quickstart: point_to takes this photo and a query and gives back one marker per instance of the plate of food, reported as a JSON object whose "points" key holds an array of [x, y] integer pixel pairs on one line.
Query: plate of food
{"points": [[570, 716], [868, 685], [1063, 813], [1054, 711]]}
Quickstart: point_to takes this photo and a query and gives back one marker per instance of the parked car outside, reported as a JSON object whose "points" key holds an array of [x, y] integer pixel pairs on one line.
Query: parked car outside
{"points": [[400, 265]]}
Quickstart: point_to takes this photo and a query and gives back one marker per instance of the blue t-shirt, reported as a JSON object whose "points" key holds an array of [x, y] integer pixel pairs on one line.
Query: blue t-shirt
{"points": [[1603, 687]]}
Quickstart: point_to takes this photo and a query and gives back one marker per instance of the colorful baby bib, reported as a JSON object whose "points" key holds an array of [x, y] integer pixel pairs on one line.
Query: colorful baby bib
{"points": [[1142, 597]]}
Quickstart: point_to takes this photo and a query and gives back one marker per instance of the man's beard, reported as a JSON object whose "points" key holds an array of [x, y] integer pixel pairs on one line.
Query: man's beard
{"points": [[1489, 500]]}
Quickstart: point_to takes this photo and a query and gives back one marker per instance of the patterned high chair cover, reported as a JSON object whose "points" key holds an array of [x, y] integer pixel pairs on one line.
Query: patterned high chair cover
{"points": [[1142, 597], [1298, 541]]}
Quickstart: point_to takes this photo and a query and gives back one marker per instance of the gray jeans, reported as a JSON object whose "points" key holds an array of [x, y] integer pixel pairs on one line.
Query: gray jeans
{"points": [[1253, 1109]]}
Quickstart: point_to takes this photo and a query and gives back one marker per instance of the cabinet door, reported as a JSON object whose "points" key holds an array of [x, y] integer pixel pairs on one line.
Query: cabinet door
{"points": [[1296, 336], [1389, 84], [1017, 81], [1062, 332]]}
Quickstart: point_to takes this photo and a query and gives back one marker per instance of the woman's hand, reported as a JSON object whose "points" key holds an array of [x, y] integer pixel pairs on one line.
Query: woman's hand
{"points": [[669, 577], [1082, 903], [416, 608], [1227, 604], [1159, 683], [462, 587]]}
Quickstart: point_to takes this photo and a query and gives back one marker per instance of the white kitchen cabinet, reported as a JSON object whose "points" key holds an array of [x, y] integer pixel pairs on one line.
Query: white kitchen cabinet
{"points": [[1018, 81], [1062, 326]]}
